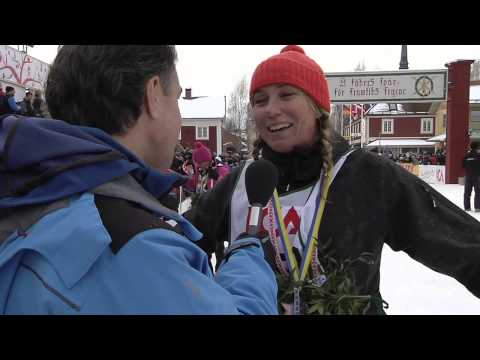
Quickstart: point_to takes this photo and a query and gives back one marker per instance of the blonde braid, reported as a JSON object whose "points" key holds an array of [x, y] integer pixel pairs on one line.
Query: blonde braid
{"points": [[325, 132], [257, 147], [326, 139]]}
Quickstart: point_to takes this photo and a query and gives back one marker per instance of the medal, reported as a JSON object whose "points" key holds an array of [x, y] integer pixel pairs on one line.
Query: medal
{"points": [[296, 301], [319, 280]]}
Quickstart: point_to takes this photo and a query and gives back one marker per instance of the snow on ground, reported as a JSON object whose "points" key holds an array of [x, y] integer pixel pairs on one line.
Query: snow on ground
{"points": [[185, 205], [411, 288]]}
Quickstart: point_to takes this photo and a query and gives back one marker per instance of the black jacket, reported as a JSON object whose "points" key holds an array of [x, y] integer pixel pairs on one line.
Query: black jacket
{"points": [[4, 105], [37, 104], [372, 202], [471, 163], [27, 108]]}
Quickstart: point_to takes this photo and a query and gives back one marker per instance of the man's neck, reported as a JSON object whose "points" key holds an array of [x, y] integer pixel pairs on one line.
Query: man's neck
{"points": [[137, 140], [131, 140]]}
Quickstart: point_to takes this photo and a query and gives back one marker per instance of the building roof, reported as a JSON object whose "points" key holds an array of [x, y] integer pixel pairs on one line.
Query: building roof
{"points": [[388, 109], [399, 142], [208, 107]]}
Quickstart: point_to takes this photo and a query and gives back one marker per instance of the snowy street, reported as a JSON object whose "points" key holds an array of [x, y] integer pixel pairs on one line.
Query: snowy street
{"points": [[413, 289]]}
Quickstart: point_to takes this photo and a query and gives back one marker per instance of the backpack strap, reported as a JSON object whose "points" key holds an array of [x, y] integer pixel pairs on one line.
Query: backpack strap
{"points": [[137, 202], [124, 219]]}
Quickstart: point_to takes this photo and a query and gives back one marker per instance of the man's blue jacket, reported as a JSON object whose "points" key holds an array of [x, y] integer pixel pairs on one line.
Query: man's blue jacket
{"points": [[81, 232]]}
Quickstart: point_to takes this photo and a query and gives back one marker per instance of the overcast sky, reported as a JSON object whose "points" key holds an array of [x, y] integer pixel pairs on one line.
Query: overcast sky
{"points": [[214, 70]]}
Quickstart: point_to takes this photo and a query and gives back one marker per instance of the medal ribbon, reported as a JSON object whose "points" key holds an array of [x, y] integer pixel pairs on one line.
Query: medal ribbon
{"points": [[321, 200], [300, 273]]}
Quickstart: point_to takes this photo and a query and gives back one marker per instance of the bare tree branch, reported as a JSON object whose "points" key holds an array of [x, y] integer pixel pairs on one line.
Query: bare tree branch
{"points": [[237, 112]]}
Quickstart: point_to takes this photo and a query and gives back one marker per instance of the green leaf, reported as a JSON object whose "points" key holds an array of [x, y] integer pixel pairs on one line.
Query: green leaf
{"points": [[338, 295]]}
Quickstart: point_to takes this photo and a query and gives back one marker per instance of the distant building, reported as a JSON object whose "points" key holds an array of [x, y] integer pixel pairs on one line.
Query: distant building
{"points": [[439, 110], [391, 128], [202, 119], [21, 71], [474, 123]]}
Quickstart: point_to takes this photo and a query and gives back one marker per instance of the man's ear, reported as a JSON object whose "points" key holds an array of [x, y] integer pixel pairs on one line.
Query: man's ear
{"points": [[153, 94]]}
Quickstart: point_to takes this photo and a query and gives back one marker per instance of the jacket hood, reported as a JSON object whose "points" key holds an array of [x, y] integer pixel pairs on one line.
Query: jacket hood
{"points": [[43, 160]]}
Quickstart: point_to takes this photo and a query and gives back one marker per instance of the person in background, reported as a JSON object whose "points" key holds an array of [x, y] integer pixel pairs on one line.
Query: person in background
{"points": [[8, 105], [222, 168], [26, 105], [39, 104], [471, 164], [205, 174]]}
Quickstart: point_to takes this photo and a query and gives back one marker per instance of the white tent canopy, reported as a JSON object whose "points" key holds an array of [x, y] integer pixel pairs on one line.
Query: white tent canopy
{"points": [[400, 143], [438, 138]]}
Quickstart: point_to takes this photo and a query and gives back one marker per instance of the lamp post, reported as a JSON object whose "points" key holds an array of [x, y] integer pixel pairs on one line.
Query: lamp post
{"points": [[403, 59]]}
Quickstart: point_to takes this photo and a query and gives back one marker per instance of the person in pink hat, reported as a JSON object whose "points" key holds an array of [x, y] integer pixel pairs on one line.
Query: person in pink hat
{"points": [[222, 168], [205, 175], [202, 156], [334, 207]]}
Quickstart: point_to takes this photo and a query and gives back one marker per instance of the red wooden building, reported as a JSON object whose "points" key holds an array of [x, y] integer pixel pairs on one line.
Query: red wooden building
{"points": [[389, 127], [202, 119]]}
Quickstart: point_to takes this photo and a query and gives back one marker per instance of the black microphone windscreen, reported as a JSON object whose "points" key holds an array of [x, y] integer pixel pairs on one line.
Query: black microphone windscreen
{"points": [[261, 178]]}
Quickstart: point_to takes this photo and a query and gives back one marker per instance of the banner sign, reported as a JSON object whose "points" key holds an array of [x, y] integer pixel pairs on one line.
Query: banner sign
{"points": [[388, 87]]}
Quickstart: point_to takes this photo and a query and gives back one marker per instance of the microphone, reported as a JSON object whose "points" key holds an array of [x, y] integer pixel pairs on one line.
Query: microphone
{"points": [[261, 178]]}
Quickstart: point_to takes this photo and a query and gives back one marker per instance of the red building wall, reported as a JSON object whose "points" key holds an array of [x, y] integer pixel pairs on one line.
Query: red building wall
{"points": [[402, 127], [188, 138], [212, 141]]}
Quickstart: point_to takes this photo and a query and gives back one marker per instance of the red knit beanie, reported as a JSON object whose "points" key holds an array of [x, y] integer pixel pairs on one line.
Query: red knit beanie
{"points": [[294, 68], [201, 153]]}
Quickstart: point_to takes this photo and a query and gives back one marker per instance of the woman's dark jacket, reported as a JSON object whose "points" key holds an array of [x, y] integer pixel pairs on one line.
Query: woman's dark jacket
{"points": [[372, 201]]}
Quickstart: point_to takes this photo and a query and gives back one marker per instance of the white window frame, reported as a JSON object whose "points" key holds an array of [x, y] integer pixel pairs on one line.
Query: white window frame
{"points": [[180, 134], [423, 122], [384, 122], [197, 131]]}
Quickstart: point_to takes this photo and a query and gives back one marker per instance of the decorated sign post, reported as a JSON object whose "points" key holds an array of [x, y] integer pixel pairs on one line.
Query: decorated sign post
{"points": [[458, 112], [388, 87], [414, 86]]}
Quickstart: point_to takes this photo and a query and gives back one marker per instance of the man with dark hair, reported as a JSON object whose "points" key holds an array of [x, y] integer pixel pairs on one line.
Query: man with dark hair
{"points": [[81, 230], [471, 163], [38, 104], [8, 104], [26, 105]]}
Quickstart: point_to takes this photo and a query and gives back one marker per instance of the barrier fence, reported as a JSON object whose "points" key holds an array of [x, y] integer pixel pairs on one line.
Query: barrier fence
{"points": [[431, 174]]}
